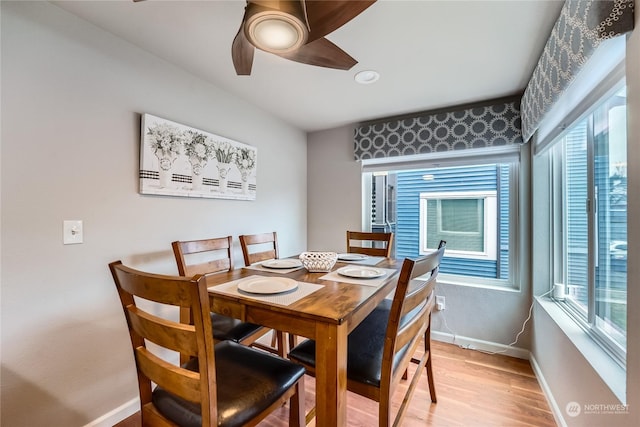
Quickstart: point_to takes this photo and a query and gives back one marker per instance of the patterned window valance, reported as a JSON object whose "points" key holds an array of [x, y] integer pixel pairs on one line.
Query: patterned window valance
{"points": [[494, 124], [581, 27]]}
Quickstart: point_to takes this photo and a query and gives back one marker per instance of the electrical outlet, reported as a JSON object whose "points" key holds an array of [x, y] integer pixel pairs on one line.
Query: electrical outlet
{"points": [[440, 303]]}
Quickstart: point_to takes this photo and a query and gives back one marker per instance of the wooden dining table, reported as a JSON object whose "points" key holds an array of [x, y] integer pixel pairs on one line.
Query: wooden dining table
{"points": [[327, 316]]}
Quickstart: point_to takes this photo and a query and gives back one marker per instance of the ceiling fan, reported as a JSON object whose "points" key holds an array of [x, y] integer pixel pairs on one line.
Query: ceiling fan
{"points": [[295, 30]]}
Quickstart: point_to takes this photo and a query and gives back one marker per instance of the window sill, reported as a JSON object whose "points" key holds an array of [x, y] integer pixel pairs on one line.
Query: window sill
{"points": [[611, 373], [478, 283]]}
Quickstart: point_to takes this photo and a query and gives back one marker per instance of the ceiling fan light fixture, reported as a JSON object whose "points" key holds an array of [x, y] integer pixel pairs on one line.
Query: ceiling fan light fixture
{"points": [[275, 31], [294, 30]]}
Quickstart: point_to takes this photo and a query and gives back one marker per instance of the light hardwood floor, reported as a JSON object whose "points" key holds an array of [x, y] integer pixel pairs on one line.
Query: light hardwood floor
{"points": [[474, 389]]}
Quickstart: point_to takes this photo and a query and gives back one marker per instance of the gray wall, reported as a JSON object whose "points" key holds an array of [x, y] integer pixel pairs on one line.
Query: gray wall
{"points": [[72, 96], [334, 189]]}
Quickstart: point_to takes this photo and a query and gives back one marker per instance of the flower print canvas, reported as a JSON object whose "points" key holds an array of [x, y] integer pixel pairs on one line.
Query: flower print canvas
{"points": [[177, 160]]}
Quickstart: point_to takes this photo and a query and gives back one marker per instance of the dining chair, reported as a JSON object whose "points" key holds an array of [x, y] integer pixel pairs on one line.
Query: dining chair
{"points": [[223, 385], [380, 349], [261, 247], [367, 243], [209, 256]]}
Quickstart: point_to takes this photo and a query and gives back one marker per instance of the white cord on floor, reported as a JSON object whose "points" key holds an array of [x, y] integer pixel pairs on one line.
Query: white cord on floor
{"points": [[444, 320], [515, 341]]}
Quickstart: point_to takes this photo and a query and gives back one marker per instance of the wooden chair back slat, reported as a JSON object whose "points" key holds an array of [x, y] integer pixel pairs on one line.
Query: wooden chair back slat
{"points": [[386, 239], [205, 245], [412, 329], [165, 333], [155, 287], [261, 256], [179, 381], [214, 266], [259, 247]]}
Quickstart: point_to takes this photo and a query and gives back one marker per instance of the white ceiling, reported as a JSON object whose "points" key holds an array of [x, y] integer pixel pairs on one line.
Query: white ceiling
{"points": [[430, 54]]}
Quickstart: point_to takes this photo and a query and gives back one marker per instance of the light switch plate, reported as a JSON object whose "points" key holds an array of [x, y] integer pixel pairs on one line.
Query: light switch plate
{"points": [[72, 232]]}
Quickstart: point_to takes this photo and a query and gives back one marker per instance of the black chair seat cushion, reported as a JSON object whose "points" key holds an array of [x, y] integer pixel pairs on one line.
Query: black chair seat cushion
{"points": [[249, 381], [365, 347], [228, 328]]}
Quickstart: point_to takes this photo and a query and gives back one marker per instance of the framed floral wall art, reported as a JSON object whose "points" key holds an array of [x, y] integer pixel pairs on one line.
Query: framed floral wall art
{"points": [[177, 160]]}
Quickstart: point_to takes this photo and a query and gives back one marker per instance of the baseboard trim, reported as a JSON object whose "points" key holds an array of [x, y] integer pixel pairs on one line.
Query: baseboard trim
{"points": [[555, 410], [480, 345], [115, 416]]}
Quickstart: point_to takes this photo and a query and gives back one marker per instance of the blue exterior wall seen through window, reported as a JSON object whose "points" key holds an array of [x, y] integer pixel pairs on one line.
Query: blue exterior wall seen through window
{"points": [[463, 179]]}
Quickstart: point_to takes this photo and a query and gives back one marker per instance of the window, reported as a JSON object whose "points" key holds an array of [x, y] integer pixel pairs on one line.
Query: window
{"points": [[589, 168], [471, 207], [466, 220], [382, 203]]}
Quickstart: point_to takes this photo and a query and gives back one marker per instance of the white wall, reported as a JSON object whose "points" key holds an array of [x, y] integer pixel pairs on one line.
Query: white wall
{"points": [[569, 376], [72, 96], [335, 205]]}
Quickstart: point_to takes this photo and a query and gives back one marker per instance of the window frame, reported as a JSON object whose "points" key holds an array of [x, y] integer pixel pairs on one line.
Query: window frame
{"points": [[516, 157], [490, 233], [587, 318]]}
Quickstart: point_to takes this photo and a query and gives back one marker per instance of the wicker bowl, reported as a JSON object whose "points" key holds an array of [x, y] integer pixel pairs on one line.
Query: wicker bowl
{"points": [[318, 261]]}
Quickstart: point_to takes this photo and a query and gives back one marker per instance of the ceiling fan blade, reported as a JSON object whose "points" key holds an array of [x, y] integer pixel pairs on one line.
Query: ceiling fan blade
{"points": [[324, 17], [322, 53], [242, 53]]}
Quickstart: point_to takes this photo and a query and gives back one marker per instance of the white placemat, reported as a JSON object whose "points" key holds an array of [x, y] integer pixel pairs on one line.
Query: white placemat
{"points": [[370, 260], [286, 298], [259, 267], [335, 277]]}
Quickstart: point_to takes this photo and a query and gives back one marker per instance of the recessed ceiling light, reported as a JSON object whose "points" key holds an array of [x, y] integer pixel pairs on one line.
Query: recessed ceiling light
{"points": [[367, 77]]}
